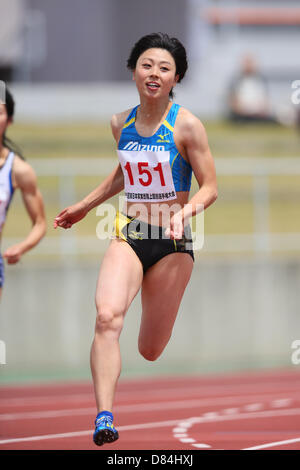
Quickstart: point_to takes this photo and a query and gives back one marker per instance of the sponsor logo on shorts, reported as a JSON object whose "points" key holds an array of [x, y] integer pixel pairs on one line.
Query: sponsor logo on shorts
{"points": [[135, 235]]}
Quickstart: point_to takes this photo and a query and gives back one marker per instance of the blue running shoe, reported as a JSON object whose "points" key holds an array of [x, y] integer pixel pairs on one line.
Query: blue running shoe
{"points": [[105, 432]]}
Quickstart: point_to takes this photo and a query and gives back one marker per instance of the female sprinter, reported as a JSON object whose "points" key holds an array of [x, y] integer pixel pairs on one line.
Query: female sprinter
{"points": [[16, 173], [159, 144]]}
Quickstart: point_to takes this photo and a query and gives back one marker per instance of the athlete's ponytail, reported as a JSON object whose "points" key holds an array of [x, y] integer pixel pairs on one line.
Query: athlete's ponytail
{"points": [[10, 110], [161, 41]]}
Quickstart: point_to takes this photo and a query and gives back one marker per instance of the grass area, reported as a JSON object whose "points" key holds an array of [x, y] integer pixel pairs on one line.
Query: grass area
{"points": [[252, 140], [95, 140]]}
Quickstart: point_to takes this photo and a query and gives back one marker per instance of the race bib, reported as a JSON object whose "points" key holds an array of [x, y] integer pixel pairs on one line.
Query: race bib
{"points": [[147, 175]]}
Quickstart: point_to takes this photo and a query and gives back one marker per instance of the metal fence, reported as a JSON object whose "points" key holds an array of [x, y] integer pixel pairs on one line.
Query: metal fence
{"points": [[258, 194]]}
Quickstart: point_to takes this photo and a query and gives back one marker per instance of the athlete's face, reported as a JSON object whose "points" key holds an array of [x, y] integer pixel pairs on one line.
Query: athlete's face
{"points": [[155, 73], [4, 120]]}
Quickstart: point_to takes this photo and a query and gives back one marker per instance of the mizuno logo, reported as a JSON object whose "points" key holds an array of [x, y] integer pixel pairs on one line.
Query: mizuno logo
{"points": [[162, 138], [147, 148]]}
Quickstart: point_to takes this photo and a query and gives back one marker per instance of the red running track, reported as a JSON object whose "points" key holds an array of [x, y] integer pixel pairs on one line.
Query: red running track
{"points": [[253, 410]]}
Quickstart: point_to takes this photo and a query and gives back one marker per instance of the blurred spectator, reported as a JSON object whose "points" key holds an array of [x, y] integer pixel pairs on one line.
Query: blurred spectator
{"points": [[11, 26], [248, 95]]}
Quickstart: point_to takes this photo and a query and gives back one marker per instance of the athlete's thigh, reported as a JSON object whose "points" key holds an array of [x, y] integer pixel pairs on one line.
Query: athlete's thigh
{"points": [[119, 278], [162, 291]]}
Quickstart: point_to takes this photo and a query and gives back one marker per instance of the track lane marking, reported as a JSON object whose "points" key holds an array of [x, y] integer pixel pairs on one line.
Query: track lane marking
{"points": [[223, 415], [131, 427], [273, 444], [259, 414], [284, 389], [190, 403]]}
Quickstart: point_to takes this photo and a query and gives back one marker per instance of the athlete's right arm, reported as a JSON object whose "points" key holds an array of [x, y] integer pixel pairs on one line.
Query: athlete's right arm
{"points": [[111, 186]]}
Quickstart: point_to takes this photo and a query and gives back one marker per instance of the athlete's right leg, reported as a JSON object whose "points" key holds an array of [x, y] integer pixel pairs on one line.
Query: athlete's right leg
{"points": [[120, 278]]}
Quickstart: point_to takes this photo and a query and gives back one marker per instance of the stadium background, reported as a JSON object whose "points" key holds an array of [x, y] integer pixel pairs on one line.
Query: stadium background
{"points": [[67, 66]]}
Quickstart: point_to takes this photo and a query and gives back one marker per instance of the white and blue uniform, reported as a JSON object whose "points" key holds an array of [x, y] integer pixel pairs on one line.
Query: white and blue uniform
{"points": [[6, 194]]}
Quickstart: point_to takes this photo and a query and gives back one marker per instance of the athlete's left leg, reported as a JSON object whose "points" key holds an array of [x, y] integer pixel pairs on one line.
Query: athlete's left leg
{"points": [[162, 291]]}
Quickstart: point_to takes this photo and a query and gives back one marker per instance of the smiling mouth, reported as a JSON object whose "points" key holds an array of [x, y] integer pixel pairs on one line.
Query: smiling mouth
{"points": [[153, 85]]}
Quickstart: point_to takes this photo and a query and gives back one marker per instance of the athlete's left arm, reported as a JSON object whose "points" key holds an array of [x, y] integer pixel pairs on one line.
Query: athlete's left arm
{"points": [[195, 142], [25, 179]]}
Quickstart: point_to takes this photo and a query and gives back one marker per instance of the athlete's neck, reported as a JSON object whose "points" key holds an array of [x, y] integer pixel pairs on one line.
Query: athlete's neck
{"points": [[151, 112]]}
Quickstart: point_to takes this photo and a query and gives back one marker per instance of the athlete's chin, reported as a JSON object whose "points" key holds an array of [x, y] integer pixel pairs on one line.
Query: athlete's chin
{"points": [[155, 94]]}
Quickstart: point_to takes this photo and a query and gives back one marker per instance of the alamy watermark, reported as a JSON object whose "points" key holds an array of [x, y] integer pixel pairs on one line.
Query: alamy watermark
{"points": [[295, 98], [295, 358], [162, 212], [2, 92], [2, 352]]}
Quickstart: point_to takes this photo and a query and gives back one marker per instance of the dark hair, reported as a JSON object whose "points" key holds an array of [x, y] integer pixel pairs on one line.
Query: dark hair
{"points": [[161, 41], [10, 110]]}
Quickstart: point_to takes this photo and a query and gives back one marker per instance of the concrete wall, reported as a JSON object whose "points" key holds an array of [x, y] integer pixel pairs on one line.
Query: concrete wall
{"points": [[90, 41], [235, 315]]}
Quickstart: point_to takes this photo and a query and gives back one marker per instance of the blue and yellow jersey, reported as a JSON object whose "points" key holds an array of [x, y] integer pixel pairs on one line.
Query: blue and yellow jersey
{"points": [[162, 140]]}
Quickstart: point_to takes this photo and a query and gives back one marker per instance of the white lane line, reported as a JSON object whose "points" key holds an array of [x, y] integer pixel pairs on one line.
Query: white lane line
{"points": [[46, 414], [186, 425], [273, 444], [207, 417], [121, 395], [251, 415], [202, 446], [131, 427], [179, 430], [253, 407], [231, 411], [179, 404], [37, 401], [171, 405], [281, 402], [210, 415], [269, 388], [260, 414]]}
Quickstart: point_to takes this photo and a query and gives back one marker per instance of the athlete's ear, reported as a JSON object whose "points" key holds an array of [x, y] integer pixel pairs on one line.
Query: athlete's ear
{"points": [[133, 75], [176, 79]]}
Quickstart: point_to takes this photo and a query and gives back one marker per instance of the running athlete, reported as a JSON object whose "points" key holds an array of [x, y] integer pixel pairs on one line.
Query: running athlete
{"points": [[160, 144], [15, 173]]}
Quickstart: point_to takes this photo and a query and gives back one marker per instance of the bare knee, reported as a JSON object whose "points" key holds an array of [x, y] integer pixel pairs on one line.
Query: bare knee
{"points": [[150, 353], [109, 320]]}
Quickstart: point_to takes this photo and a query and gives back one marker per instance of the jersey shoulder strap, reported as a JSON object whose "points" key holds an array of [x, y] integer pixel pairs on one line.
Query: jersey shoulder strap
{"points": [[131, 118], [169, 122]]}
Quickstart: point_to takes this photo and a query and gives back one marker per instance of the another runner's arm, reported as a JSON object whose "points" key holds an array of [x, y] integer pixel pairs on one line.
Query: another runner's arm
{"points": [[195, 142], [25, 179]]}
